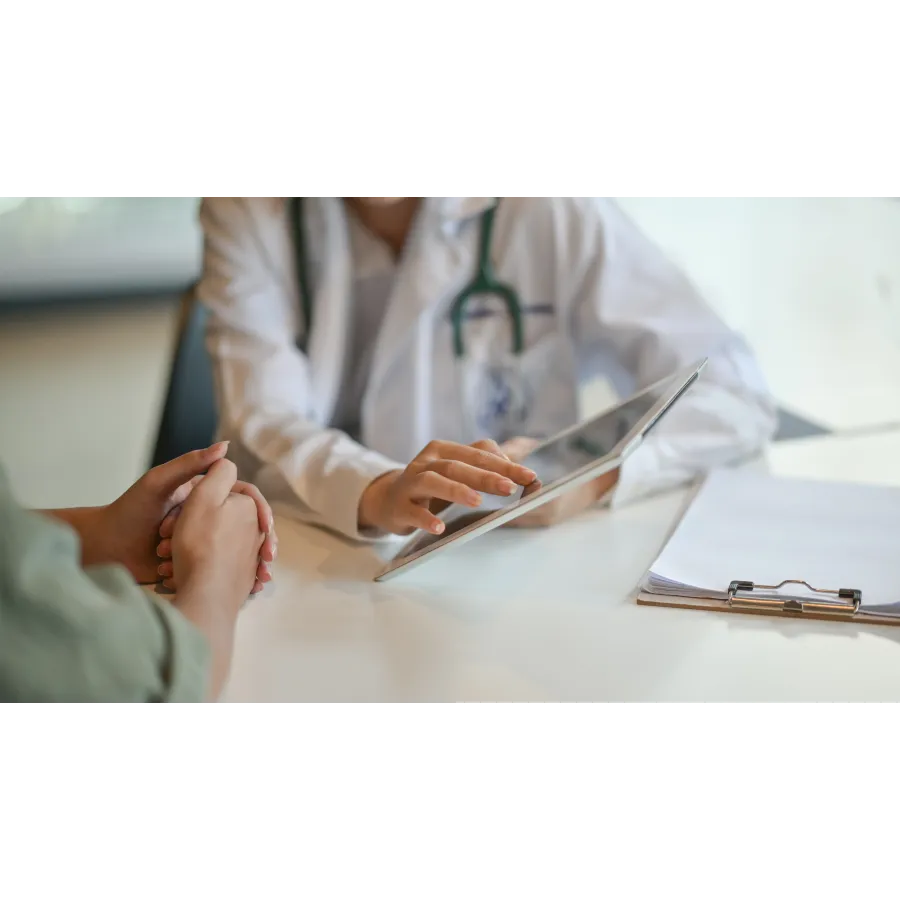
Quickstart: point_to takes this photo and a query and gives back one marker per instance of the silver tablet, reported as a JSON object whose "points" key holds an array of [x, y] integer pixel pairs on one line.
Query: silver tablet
{"points": [[564, 462]]}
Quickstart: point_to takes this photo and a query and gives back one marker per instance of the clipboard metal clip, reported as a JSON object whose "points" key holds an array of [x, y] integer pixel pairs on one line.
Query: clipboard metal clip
{"points": [[846, 603]]}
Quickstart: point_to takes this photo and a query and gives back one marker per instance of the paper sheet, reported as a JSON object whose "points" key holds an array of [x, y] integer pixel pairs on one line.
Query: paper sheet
{"points": [[754, 527]]}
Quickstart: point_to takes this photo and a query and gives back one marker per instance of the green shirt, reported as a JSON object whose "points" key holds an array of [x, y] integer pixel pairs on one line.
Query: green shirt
{"points": [[82, 635]]}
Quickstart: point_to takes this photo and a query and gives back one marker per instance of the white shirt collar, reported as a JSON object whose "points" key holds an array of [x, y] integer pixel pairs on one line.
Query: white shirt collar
{"points": [[461, 208]]}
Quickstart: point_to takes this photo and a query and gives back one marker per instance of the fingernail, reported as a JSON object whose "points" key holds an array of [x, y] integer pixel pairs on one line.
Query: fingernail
{"points": [[271, 521], [159, 571], [222, 445], [508, 488], [437, 528], [475, 498]]}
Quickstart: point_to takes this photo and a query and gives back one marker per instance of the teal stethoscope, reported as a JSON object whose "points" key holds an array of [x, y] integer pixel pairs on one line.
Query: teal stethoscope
{"points": [[501, 402]]}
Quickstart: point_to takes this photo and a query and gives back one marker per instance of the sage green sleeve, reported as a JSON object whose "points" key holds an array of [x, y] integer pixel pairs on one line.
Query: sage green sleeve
{"points": [[85, 635]]}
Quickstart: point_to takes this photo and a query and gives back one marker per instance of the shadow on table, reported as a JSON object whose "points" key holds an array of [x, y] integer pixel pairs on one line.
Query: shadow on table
{"points": [[797, 628], [331, 556]]}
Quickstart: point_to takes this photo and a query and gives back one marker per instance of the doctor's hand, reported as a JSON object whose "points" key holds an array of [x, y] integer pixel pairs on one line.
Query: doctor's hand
{"points": [[569, 504], [443, 473]]}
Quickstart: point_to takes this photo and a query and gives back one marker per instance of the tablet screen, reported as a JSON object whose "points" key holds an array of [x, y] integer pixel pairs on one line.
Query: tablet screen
{"points": [[560, 458]]}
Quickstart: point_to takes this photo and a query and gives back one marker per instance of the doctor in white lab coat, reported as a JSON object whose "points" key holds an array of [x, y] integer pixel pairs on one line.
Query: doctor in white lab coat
{"points": [[327, 420]]}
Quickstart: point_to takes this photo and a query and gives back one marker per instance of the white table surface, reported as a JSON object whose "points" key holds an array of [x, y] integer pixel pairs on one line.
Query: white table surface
{"points": [[549, 616]]}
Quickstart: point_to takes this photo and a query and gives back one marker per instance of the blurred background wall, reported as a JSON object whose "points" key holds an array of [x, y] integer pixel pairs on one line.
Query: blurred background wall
{"points": [[89, 290]]}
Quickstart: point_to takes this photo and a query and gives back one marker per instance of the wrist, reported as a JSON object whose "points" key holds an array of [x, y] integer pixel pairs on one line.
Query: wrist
{"points": [[208, 603], [91, 524], [371, 503], [215, 617], [605, 483]]}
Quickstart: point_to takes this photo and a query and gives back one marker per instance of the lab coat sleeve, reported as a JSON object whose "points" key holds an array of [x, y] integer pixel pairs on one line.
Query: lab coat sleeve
{"points": [[74, 635], [266, 408], [635, 305]]}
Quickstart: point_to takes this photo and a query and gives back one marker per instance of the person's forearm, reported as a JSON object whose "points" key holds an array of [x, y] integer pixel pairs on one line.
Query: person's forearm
{"points": [[209, 608], [373, 498], [87, 522]]}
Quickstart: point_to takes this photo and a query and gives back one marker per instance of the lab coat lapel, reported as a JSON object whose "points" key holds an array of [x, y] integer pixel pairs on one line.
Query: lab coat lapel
{"points": [[332, 285], [330, 279]]}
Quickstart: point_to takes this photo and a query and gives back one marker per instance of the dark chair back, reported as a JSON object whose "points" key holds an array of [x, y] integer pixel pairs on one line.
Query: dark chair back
{"points": [[189, 415]]}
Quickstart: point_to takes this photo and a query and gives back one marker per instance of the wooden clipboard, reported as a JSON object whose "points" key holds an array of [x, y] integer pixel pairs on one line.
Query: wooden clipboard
{"points": [[786, 606]]}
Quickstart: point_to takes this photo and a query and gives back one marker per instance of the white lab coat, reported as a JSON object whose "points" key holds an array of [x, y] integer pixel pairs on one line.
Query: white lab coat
{"points": [[618, 308]]}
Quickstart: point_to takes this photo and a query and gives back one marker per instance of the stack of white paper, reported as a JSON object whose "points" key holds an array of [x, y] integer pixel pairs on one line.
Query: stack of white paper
{"points": [[749, 526]]}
